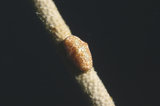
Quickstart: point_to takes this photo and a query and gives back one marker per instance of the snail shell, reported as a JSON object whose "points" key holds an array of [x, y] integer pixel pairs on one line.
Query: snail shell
{"points": [[79, 53]]}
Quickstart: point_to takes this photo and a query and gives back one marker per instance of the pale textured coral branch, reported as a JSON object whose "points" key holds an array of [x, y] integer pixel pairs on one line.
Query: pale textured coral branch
{"points": [[48, 13], [88, 79], [93, 86]]}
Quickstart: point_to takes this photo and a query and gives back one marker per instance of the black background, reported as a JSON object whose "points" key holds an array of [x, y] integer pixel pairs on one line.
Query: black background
{"points": [[123, 36]]}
